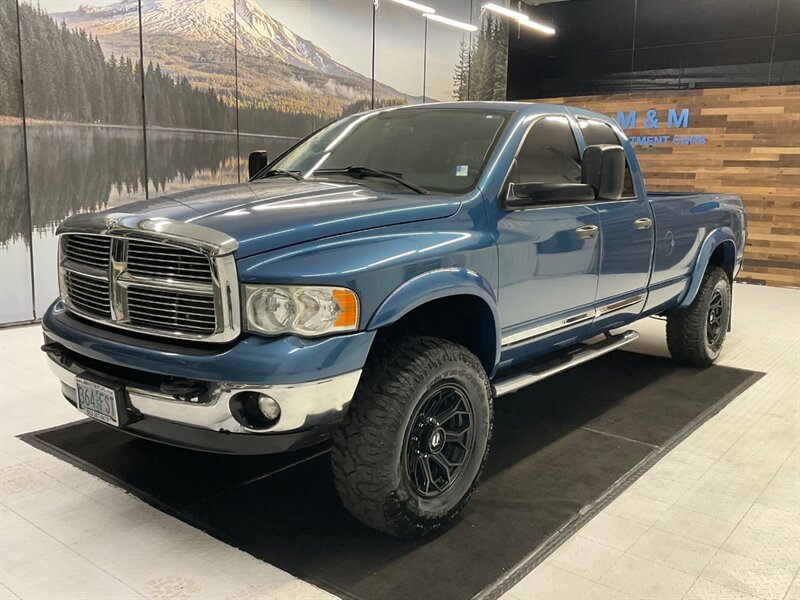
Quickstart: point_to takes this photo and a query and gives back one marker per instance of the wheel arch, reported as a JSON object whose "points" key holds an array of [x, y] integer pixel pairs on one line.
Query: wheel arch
{"points": [[718, 249], [437, 303]]}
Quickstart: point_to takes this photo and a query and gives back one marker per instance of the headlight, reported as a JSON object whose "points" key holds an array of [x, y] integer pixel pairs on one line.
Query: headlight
{"points": [[303, 310]]}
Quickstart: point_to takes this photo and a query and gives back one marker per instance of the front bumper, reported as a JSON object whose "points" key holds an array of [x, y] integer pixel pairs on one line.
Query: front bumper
{"points": [[313, 381], [308, 410]]}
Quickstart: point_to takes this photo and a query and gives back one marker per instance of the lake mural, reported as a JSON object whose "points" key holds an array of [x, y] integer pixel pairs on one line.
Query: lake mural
{"points": [[111, 118]]}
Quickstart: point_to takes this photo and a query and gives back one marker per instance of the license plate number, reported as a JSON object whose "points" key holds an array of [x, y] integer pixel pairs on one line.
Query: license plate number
{"points": [[97, 401]]}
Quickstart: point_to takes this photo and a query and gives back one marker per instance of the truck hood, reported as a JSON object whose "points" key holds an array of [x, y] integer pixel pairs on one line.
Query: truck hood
{"points": [[271, 214]]}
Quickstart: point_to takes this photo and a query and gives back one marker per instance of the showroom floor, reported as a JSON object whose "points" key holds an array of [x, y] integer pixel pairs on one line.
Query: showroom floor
{"points": [[718, 517]]}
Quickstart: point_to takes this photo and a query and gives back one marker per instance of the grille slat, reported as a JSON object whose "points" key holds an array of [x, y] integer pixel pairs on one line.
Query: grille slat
{"points": [[204, 306], [174, 310], [164, 322], [89, 295], [164, 308], [167, 256], [167, 262], [89, 250], [144, 316], [86, 296]]}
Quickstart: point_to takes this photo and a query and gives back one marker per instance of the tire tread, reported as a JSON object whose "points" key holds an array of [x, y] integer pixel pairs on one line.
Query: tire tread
{"points": [[362, 446]]}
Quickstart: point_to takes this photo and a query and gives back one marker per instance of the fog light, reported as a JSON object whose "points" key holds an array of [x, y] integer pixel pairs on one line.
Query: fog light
{"points": [[255, 410], [268, 407]]}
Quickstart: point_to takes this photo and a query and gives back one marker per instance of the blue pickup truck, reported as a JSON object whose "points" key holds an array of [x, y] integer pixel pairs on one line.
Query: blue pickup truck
{"points": [[378, 285]]}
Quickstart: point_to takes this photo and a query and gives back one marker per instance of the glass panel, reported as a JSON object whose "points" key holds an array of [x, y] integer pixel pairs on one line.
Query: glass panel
{"points": [[440, 149], [302, 63], [83, 110], [399, 54], [15, 260], [445, 45], [190, 93], [549, 153], [488, 56]]}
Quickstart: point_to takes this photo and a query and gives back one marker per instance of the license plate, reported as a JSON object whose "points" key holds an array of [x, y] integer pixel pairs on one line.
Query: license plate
{"points": [[97, 401]]}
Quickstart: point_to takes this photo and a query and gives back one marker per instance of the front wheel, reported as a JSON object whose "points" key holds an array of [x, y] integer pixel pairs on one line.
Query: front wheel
{"points": [[695, 335], [415, 441]]}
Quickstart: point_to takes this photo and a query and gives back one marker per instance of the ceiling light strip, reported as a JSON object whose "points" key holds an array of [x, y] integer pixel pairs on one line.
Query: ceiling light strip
{"points": [[416, 6], [519, 17], [451, 22]]}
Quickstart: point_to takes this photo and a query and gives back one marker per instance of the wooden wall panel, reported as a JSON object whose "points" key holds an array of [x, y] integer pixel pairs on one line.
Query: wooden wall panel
{"points": [[752, 149]]}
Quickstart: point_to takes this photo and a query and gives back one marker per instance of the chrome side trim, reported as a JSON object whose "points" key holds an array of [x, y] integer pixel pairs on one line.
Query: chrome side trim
{"points": [[516, 338], [620, 304], [539, 330], [303, 405]]}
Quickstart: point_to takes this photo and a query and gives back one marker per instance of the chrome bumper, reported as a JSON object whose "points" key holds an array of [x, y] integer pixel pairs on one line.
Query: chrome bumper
{"points": [[303, 405]]}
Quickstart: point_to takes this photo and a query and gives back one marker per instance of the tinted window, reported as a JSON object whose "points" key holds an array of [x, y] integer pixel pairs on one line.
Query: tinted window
{"points": [[441, 149], [549, 154], [597, 132]]}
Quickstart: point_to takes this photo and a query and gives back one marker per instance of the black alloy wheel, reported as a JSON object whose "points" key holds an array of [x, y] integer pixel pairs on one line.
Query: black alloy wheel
{"points": [[714, 323], [440, 440], [696, 334]]}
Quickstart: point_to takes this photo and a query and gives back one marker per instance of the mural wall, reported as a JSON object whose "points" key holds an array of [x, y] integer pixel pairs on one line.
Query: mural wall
{"points": [[16, 292], [137, 98]]}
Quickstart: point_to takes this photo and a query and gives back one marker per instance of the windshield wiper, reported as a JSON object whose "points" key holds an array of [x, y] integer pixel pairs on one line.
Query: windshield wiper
{"points": [[369, 172], [281, 173]]}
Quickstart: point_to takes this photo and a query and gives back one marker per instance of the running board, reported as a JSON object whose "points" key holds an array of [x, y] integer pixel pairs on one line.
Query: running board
{"points": [[562, 363]]}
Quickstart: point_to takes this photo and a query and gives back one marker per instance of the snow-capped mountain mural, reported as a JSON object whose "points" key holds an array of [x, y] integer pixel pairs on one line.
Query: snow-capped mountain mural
{"points": [[195, 38]]}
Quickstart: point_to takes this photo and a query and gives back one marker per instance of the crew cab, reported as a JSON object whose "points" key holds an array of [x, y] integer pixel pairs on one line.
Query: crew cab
{"points": [[378, 285]]}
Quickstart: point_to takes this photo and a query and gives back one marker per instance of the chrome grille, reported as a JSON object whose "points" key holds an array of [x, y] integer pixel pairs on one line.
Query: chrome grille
{"points": [[90, 250], [192, 313], [163, 288], [160, 261], [89, 294]]}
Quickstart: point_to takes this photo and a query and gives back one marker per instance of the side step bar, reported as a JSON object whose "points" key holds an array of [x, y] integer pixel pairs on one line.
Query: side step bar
{"points": [[562, 363]]}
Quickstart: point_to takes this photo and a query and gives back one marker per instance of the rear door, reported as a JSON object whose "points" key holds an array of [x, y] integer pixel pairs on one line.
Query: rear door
{"points": [[627, 234], [548, 271]]}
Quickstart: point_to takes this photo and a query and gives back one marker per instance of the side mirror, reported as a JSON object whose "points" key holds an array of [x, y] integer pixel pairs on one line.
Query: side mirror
{"points": [[526, 195], [603, 168], [256, 162]]}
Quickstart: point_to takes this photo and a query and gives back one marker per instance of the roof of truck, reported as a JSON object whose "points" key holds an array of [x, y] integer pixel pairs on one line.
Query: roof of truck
{"points": [[531, 108]]}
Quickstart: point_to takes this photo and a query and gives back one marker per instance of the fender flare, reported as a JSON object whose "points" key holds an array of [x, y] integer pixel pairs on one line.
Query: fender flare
{"points": [[434, 285], [713, 241]]}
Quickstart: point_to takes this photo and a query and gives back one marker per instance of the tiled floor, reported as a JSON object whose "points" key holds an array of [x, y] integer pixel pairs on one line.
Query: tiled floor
{"points": [[719, 517]]}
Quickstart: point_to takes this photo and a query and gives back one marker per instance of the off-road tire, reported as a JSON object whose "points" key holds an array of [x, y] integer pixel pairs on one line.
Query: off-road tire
{"points": [[687, 336], [369, 447]]}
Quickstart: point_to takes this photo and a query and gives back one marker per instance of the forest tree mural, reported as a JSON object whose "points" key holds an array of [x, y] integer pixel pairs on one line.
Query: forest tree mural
{"points": [[480, 73]]}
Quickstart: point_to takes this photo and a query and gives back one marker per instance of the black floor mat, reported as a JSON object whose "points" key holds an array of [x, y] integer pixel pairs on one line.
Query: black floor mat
{"points": [[559, 446]]}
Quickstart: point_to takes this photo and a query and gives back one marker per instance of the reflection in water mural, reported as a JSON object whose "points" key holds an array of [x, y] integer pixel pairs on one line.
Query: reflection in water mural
{"points": [[73, 183], [15, 258], [300, 64]]}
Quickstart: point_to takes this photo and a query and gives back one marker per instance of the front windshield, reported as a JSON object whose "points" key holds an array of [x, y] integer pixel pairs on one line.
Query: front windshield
{"points": [[439, 149]]}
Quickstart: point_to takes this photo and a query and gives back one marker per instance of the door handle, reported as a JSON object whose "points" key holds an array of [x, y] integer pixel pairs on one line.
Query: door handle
{"points": [[587, 232], [643, 223]]}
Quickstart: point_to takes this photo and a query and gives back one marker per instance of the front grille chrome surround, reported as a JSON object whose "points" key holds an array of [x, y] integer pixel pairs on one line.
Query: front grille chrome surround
{"points": [[156, 277]]}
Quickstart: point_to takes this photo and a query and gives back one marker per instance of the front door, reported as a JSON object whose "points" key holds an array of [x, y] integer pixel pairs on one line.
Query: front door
{"points": [[548, 255], [627, 238]]}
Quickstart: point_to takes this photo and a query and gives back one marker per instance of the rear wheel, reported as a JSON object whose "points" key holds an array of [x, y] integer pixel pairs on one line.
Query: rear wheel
{"points": [[415, 441], [695, 335]]}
